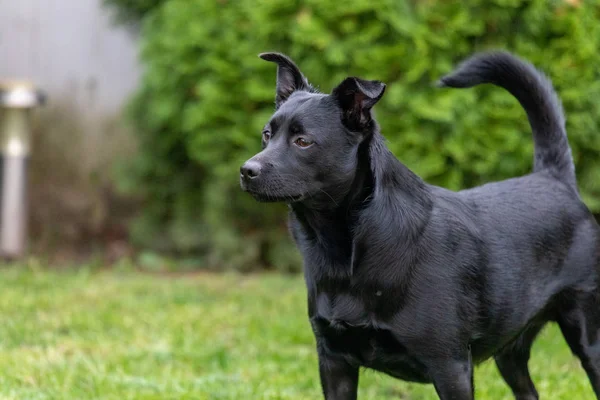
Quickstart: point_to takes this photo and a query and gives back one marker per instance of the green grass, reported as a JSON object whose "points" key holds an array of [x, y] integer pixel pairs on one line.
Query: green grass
{"points": [[122, 335]]}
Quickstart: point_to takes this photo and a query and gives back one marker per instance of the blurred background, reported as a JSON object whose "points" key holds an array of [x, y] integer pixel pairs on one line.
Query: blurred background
{"points": [[152, 106]]}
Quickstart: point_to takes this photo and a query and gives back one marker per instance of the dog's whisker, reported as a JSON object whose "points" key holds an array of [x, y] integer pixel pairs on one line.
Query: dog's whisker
{"points": [[332, 199]]}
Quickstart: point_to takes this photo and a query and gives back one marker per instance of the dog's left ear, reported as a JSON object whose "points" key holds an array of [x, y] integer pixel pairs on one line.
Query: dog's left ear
{"points": [[289, 77], [356, 97]]}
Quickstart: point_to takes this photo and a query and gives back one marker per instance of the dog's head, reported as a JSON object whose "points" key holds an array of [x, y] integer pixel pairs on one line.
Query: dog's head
{"points": [[310, 143]]}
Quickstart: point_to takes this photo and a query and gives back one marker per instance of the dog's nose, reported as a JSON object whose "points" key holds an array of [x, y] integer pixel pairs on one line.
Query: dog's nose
{"points": [[250, 170]]}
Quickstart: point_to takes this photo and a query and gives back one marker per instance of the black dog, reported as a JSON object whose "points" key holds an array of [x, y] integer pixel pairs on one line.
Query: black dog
{"points": [[414, 280]]}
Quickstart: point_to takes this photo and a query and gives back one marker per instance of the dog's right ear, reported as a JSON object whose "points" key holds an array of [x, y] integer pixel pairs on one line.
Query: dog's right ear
{"points": [[356, 97], [289, 77]]}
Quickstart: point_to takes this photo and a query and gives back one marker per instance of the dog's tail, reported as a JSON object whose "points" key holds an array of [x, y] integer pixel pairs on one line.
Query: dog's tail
{"points": [[535, 93]]}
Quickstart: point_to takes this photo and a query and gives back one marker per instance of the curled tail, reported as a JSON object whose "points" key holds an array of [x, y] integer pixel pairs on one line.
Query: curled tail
{"points": [[535, 93]]}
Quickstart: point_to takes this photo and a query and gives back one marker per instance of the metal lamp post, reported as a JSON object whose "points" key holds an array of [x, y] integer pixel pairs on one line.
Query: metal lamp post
{"points": [[16, 102]]}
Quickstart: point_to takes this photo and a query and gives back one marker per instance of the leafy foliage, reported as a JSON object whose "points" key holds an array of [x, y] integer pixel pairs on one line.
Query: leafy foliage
{"points": [[205, 97]]}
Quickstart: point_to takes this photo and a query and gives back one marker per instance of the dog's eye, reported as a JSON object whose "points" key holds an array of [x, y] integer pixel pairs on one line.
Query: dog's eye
{"points": [[301, 142], [266, 135]]}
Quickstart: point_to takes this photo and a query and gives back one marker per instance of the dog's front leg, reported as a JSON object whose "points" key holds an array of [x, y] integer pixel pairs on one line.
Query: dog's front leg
{"points": [[339, 379], [453, 379]]}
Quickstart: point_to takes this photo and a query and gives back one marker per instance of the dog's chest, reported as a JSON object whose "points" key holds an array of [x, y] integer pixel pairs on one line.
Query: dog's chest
{"points": [[345, 326]]}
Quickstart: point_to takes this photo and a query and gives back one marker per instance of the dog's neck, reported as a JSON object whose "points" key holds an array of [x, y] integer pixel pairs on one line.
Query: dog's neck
{"points": [[380, 179]]}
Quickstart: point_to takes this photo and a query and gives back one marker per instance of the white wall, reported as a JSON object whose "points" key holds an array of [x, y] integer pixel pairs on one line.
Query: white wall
{"points": [[71, 49], [88, 68]]}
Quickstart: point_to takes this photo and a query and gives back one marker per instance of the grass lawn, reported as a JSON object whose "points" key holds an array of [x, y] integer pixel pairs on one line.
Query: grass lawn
{"points": [[123, 335]]}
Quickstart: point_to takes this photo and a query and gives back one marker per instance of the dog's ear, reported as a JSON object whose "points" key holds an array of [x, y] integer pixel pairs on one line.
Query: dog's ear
{"points": [[289, 77], [356, 97]]}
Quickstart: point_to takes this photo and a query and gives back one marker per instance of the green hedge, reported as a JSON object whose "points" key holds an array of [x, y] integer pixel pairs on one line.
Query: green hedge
{"points": [[205, 96]]}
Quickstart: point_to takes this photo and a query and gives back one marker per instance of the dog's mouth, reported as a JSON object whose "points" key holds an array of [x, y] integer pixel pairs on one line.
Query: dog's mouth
{"points": [[266, 197], [271, 192]]}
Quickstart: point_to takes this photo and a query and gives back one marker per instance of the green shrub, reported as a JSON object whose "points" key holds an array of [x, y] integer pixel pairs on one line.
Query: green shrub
{"points": [[205, 97]]}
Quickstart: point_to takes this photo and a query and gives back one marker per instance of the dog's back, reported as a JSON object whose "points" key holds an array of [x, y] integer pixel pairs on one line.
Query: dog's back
{"points": [[544, 205]]}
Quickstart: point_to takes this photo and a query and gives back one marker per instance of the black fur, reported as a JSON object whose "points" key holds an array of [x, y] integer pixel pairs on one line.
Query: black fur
{"points": [[414, 280]]}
